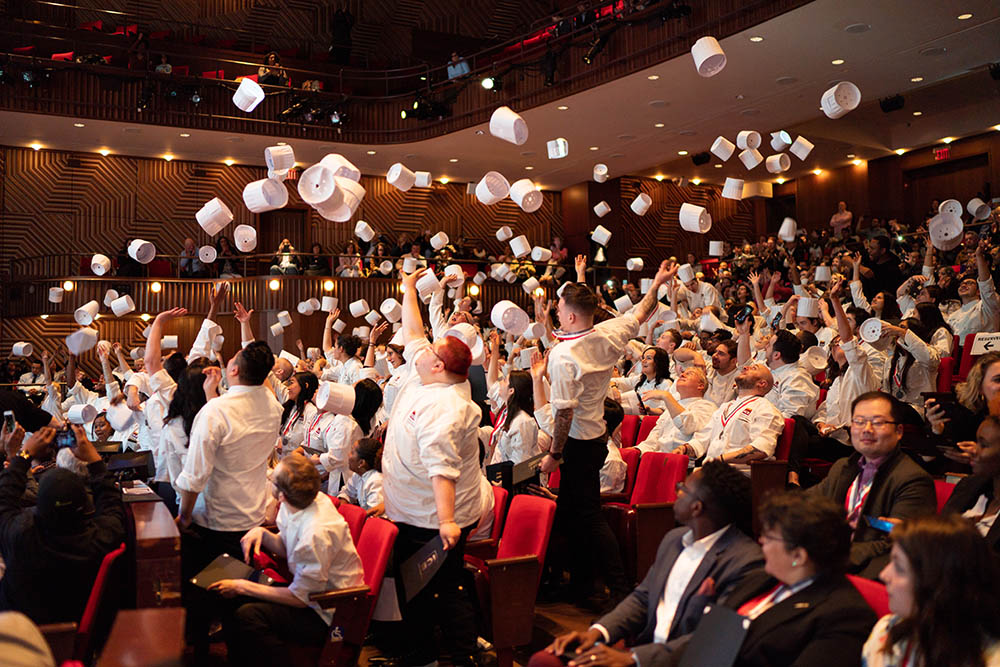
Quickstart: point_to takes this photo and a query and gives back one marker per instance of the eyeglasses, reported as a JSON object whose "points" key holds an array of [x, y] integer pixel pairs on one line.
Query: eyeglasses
{"points": [[877, 422], [680, 488]]}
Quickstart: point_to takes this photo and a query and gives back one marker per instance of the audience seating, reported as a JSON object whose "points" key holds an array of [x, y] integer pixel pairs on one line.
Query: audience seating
{"points": [[67, 56], [94, 26], [554, 477], [645, 426], [487, 548], [768, 476], [874, 594], [76, 641], [942, 489], [355, 517], [180, 70], [630, 429], [160, 268], [631, 457], [967, 359], [641, 524], [507, 585], [145, 637], [946, 371]]}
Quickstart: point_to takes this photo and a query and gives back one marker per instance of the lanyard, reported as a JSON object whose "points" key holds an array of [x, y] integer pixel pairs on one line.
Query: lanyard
{"points": [[856, 497], [292, 418], [309, 432], [726, 418], [496, 430]]}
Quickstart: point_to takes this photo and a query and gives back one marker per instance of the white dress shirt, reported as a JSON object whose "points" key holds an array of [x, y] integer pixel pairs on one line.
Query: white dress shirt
{"points": [[174, 444], [364, 490], [680, 576], [519, 442], [614, 470], [721, 387], [745, 420], [432, 432], [321, 553], [580, 371], [976, 316], [794, 392], [669, 433], [231, 439]]}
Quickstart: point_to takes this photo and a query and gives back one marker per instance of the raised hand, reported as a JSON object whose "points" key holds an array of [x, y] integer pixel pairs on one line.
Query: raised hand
{"points": [[332, 317], [377, 331], [241, 314], [171, 314]]}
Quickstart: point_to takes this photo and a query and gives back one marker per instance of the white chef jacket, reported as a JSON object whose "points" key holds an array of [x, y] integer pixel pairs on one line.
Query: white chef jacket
{"points": [[231, 439], [162, 387], [976, 316], [721, 387], [794, 392], [350, 371], [279, 388], [435, 314], [321, 553], [704, 295], [856, 380], [338, 435], [432, 432], [669, 433], [293, 431], [519, 442], [391, 387], [745, 420], [651, 404], [580, 371], [363, 490], [921, 377], [174, 443]]}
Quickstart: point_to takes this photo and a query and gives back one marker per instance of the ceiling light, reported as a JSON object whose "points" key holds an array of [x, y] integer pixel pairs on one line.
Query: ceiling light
{"points": [[473, 290], [538, 187], [594, 148], [658, 125], [229, 162], [444, 180], [900, 151], [327, 285], [104, 151], [948, 140], [168, 157], [659, 177], [850, 156], [371, 152], [188, 134], [529, 168], [779, 180], [68, 286], [155, 287], [274, 284], [79, 125], [837, 61], [488, 82], [964, 17], [916, 79], [918, 113], [45, 316], [682, 152], [562, 107], [97, 316], [145, 317], [718, 166], [997, 128], [817, 171], [280, 143], [857, 163], [653, 77], [696, 181], [454, 159], [756, 39], [36, 146]]}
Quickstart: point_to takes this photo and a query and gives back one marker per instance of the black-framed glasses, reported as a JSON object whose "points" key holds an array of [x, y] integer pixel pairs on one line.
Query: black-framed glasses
{"points": [[877, 422]]}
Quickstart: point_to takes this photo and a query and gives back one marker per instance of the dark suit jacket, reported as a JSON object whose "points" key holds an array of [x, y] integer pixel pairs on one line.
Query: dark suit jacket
{"points": [[901, 489], [730, 559], [964, 497]]}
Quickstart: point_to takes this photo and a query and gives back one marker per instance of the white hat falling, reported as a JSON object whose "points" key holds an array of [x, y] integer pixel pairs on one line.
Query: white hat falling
{"points": [[978, 209], [716, 248], [520, 246], [335, 397], [439, 240], [400, 177], [339, 325], [526, 195], [748, 139], [823, 274], [354, 192], [695, 218], [733, 188], [455, 271], [807, 307], [778, 163], [120, 416], [141, 251], [279, 176], [277, 329], [801, 147], [506, 124], [313, 303], [318, 188], [709, 322], [634, 264], [840, 99], [600, 172], [81, 340], [601, 209], [870, 330], [109, 297], [284, 318], [641, 204], [248, 95], [364, 231], [123, 305], [780, 141], [409, 264], [423, 179], [81, 413], [814, 359], [360, 307], [329, 303], [56, 294], [280, 160], [391, 309], [751, 157], [479, 278], [723, 148], [341, 166], [504, 234], [22, 349], [137, 352], [534, 331], [709, 58], [789, 228], [951, 207], [467, 333], [245, 238], [427, 285], [213, 216], [362, 331], [385, 268], [506, 315], [623, 303], [558, 148], [207, 254], [540, 254], [100, 264], [492, 188], [264, 195], [85, 314], [372, 317], [945, 231], [601, 235], [305, 308]]}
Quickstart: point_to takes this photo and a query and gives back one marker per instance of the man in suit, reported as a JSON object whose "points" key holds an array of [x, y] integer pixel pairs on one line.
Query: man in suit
{"points": [[878, 480], [701, 562]]}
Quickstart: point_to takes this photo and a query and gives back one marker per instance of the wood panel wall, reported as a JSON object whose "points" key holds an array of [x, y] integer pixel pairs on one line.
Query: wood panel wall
{"points": [[55, 202]]}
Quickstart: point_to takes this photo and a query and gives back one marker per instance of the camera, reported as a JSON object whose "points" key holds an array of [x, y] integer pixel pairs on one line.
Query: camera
{"points": [[65, 438]]}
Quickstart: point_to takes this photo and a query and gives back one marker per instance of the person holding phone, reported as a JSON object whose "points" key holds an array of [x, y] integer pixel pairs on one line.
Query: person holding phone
{"points": [[977, 497], [957, 422]]}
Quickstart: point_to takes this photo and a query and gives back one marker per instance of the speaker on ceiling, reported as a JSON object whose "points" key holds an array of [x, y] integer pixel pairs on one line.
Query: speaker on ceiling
{"points": [[701, 158], [890, 104]]}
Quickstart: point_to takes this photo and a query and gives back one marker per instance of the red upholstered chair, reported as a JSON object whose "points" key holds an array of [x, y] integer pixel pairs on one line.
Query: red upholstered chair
{"points": [[967, 359], [487, 548], [213, 74], [508, 584], [942, 489], [160, 268], [24, 50], [225, 44], [645, 426], [874, 594], [180, 70], [94, 26], [630, 455], [769, 476], [630, 429], [355, 517], [68, 56], [554, 478], [946, 371], [252, 77], [160, 35], [77, 641], [641, 524]]}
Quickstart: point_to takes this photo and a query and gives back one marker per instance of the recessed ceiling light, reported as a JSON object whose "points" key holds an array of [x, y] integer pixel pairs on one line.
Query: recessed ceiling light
{"points": [[948, 140], [916, 79], [779, 181], [444, 180], [658, 125], [529, 168], [168, 157], [918, 113], [718, 166], [185, 134], [900, 151], [132, 130], [235, 140], [371, 152], [36, 146], [964, 17], [594, 148], [527, 153], [682, 152], [562, 107], [653, 77], [857, 28], [850, 156], [997, 128], [857, 163], [837, 61], [659, 177], [817, 171], [933, 51], [280, 143], [756, 39], [658, 104], [696, 181], [617, 155], [626, 137], [785, 80], [79, 125], [104, 151], [454, 159], [229, 162]]}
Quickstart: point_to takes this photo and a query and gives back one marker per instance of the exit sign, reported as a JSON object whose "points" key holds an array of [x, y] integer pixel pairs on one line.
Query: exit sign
{"points": [[942, 153]]}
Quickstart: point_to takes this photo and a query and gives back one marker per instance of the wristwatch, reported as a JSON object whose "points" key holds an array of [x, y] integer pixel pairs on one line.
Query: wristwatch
{"points": [[24, 455], [556, 455]]}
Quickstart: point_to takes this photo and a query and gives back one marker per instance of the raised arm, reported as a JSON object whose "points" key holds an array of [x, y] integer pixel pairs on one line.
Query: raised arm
{"points": [[645, 308], [580, 264], [46, 375], [757, 296], [154, 363], [243, 316], [844, 331], [743, 351], [328, 335], [373, 337], [413, 323], [216, 297]]}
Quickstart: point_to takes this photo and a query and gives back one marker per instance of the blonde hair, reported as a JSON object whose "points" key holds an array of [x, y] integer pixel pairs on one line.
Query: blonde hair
{"points": [[970, 392]]}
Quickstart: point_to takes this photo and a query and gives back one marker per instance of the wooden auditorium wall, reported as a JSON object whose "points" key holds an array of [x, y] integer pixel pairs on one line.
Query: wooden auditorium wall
{"points": [[59, 202]]}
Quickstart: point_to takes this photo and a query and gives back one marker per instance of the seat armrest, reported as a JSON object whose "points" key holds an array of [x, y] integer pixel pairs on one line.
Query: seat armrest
{"points": [[329, 599], [613, 498], [513, 586], [61, 638], [482, 549]]}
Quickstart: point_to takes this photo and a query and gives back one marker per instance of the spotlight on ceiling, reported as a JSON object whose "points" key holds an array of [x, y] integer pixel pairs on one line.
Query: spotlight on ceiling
{"points": [[890, 104], [701, 158]]}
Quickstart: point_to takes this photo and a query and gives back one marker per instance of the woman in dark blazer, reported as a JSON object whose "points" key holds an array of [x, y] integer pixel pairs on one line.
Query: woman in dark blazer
{"points": [[977, 497], [803, 610]]}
